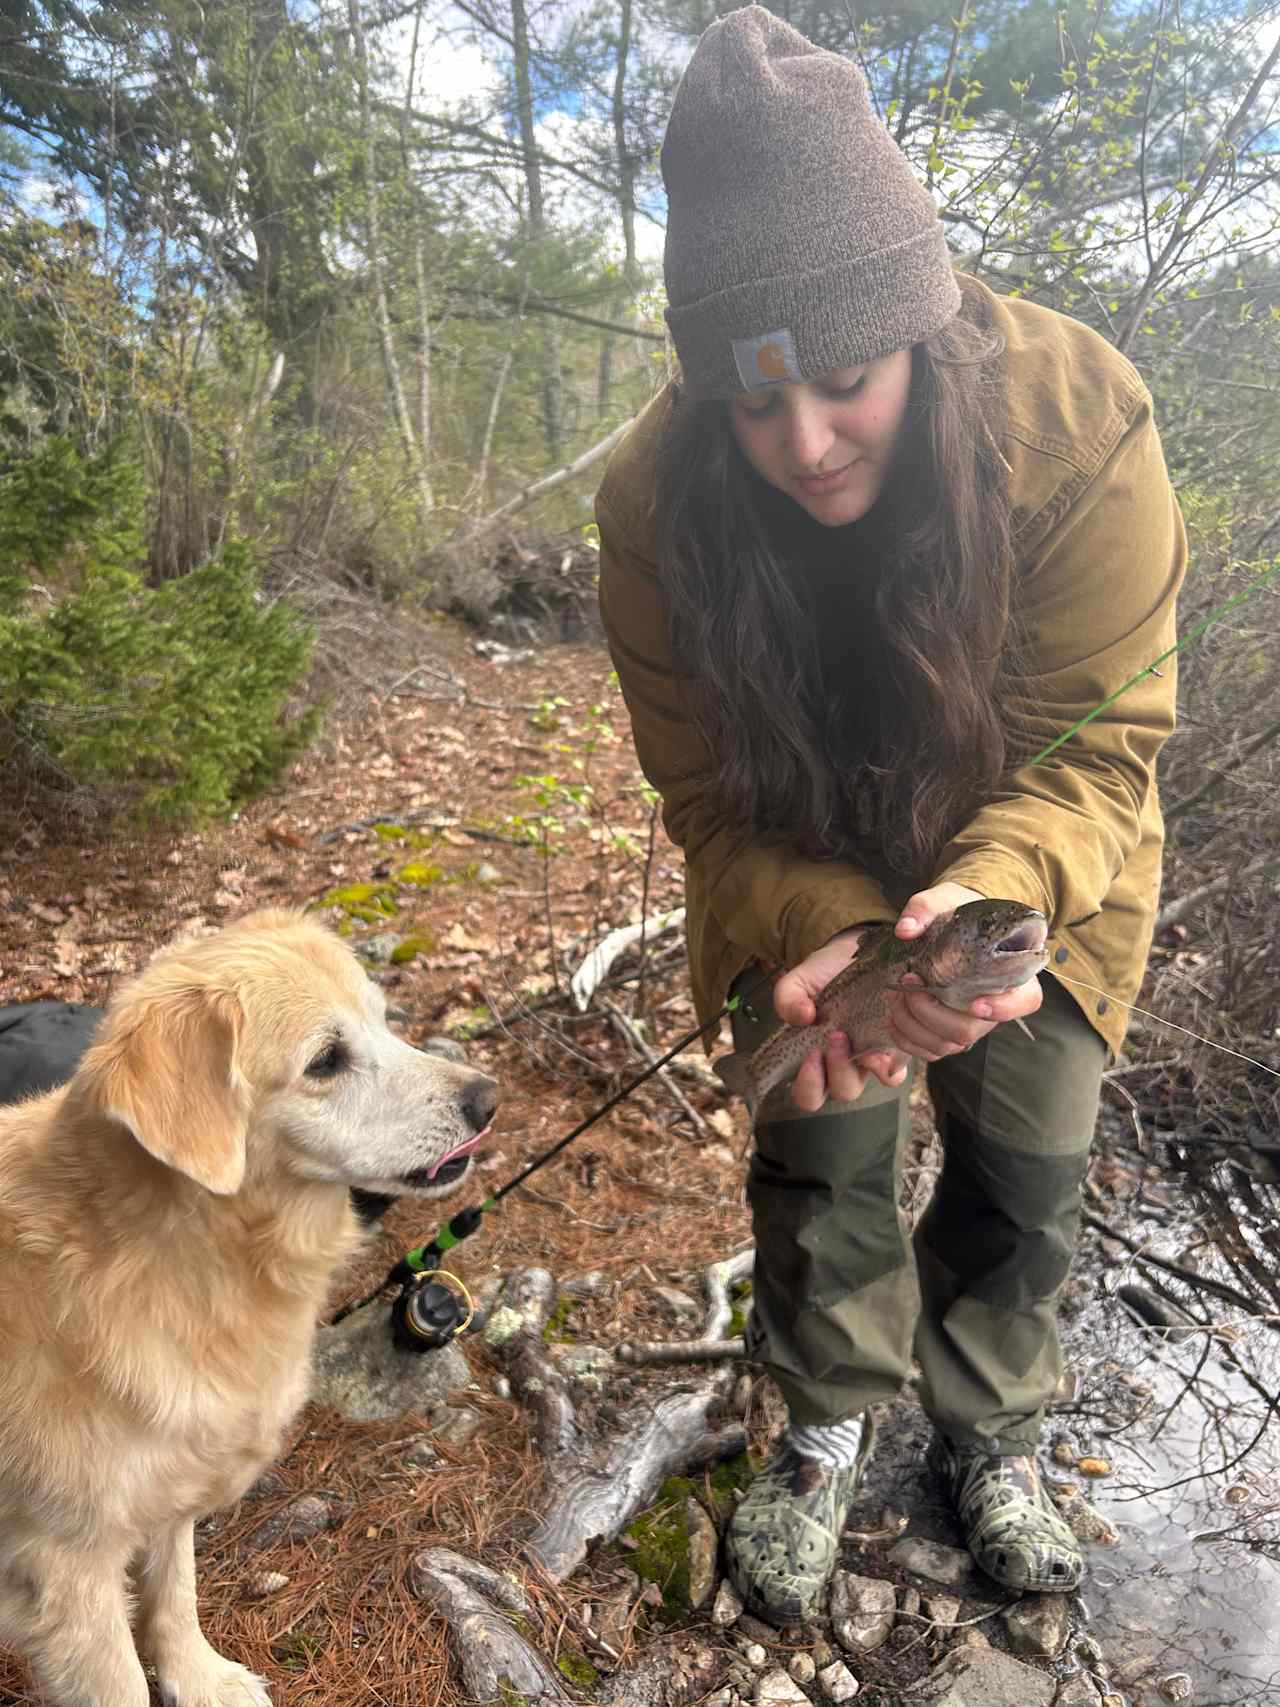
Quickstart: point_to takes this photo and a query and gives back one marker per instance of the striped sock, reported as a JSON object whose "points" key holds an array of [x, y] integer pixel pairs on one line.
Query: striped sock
{"points": [[834, 1444]]}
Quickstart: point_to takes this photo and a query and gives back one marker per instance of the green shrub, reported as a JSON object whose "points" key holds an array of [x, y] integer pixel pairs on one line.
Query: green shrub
{"points": [[165, 700]]}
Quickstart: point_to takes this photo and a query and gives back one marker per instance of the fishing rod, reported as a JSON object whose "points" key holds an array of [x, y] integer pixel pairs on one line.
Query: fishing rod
{"points": [[426, 1313]]}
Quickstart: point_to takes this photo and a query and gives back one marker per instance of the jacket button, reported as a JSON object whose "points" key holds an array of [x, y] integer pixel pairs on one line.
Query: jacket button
{"points": [[1103, 1005], [1061, 955]]}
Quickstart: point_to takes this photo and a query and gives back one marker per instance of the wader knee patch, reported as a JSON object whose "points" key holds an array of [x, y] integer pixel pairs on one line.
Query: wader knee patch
{"points": [[1004, 1221], [823, 1195]]}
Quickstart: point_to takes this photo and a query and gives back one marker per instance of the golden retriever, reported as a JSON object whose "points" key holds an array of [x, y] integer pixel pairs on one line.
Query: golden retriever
{"points": [[169, 1223]]}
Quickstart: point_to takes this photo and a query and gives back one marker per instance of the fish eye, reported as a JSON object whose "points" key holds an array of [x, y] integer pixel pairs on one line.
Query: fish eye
{"points": [[330, 1061]]}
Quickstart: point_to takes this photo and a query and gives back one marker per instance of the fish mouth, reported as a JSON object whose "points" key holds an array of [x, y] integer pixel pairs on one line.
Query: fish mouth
{"points": [[1028, 938]]}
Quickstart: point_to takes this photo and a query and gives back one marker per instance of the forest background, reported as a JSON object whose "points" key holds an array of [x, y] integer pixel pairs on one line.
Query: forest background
{"points": [[302, 304]]}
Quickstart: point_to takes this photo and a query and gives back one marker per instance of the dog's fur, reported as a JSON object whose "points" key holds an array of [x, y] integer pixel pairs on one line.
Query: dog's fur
{"points": [[169, 1223]]}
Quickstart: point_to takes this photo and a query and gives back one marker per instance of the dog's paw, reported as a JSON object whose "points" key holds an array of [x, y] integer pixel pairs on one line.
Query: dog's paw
{"points": [[213, 1682]]}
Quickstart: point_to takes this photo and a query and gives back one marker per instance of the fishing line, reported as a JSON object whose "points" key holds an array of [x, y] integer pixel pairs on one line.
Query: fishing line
{"points": [[1152, 668], [1221, 1047]]}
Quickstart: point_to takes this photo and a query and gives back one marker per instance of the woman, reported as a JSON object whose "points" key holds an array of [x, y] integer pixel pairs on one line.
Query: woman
{"points": [[887, 536]]}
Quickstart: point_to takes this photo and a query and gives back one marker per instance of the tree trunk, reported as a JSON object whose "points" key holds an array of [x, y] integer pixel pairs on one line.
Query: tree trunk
{"points": [[412, 449]]}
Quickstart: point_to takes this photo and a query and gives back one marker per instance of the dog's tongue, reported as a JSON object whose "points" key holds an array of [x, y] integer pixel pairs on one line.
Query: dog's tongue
{"points": [[460, 1150]]}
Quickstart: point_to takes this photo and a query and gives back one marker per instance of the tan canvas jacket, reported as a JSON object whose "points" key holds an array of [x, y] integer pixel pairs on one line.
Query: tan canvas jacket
{"points": [[1101, 553]]}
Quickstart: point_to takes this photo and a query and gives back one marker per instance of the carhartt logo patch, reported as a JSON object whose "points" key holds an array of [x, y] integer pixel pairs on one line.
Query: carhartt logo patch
{"points": [[767, 360]]}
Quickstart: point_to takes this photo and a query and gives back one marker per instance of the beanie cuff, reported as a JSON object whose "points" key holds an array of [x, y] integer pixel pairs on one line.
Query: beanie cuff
{"points": [[839, 316]]}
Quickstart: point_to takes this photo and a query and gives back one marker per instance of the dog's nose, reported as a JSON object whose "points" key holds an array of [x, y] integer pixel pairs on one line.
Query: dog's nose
{"points": [[479, 1101]]}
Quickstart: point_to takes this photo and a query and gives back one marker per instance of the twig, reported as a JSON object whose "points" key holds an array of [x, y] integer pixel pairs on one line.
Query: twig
{"points": [[683, 1351], [1204, 1282], [629, 1032]]}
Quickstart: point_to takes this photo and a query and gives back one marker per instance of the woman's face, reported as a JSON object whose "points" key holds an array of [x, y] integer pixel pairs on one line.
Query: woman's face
{"points": [[827, 442]]}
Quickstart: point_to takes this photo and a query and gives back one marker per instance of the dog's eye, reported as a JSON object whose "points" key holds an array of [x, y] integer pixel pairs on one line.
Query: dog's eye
{"points": [[331, 1059]]}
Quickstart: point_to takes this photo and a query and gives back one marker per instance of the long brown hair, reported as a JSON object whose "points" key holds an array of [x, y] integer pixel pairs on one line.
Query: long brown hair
{"points": [[872, 729]]}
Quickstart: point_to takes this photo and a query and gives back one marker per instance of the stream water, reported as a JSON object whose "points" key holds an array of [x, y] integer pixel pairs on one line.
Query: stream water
{"points": [[1193, 1584]]}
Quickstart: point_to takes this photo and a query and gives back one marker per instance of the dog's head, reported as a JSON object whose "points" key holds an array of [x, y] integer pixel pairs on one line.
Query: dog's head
{"points": [[264, 1048]]}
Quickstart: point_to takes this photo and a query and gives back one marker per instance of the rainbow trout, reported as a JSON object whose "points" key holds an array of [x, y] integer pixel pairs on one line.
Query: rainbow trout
{"points": [[982, 947]]}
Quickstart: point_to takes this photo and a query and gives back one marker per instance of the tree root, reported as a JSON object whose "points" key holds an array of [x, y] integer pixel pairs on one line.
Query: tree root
{"points": [[596, 1487]]}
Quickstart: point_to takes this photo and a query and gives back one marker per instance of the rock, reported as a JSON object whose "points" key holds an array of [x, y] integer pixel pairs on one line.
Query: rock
{"points": [[588, 1285], [722, 1698], [971, 1637], [1087, 1651], [777, 1689], [703, 1545], [362, 1374], [930, 1559], [302, 1518], [419, 1454], [802, 1668], [756, 1630], [944, 1609], [262, 1583], [1038, 1625], [823, 1653], [446, 1047], [755, 1655], [862, 1611], [1087, 1523], [909, 1603], [728, 1606], [1076, 1692], [970, 1677], [586, 1366], [501, 1387], [1136, 1669], [1112, 1701], [1175, 1687], [1065, 1452], [378, 948], [838, 1682]]}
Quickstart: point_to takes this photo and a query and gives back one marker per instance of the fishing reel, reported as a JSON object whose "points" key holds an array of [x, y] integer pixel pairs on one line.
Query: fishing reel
{"points": [[428, 1312]]}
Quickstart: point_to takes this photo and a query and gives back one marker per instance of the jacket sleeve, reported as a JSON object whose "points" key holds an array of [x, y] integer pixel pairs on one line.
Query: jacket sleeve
{"points": [[767, 899], [1096, 603]]}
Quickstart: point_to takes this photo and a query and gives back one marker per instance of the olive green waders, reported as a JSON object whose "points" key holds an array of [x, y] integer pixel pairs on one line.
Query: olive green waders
{"points": [[842, 1295]]}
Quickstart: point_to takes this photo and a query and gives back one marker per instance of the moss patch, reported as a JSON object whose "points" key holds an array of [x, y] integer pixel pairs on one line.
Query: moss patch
{"points": [[661, 1554], [578, 1669], [556, 1328], [372, 903], [728, 1478], [399, 833], [420, 874], [412, 947]]}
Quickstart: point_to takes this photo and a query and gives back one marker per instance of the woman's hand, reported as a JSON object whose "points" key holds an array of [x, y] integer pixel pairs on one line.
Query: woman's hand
{"points": [[920, 1024], [830, 1071]]}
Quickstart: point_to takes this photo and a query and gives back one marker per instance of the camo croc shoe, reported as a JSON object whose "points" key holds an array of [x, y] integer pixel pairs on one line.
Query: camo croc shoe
{"points": [[1009, 1523], [783, 1540]]}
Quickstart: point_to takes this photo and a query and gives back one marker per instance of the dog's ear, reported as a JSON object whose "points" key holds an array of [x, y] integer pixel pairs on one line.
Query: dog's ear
{"points": [[166, 1069]]}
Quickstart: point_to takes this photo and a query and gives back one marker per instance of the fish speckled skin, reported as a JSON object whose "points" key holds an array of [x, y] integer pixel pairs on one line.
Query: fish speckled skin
{"points": [[982, 947]]}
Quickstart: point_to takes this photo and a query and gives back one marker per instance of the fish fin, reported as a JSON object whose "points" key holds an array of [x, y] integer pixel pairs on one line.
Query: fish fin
{"points": [[734, 1072]]}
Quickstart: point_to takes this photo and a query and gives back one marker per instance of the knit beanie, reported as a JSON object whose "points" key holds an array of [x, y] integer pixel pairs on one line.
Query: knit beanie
{"points": [[798, 238]]}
